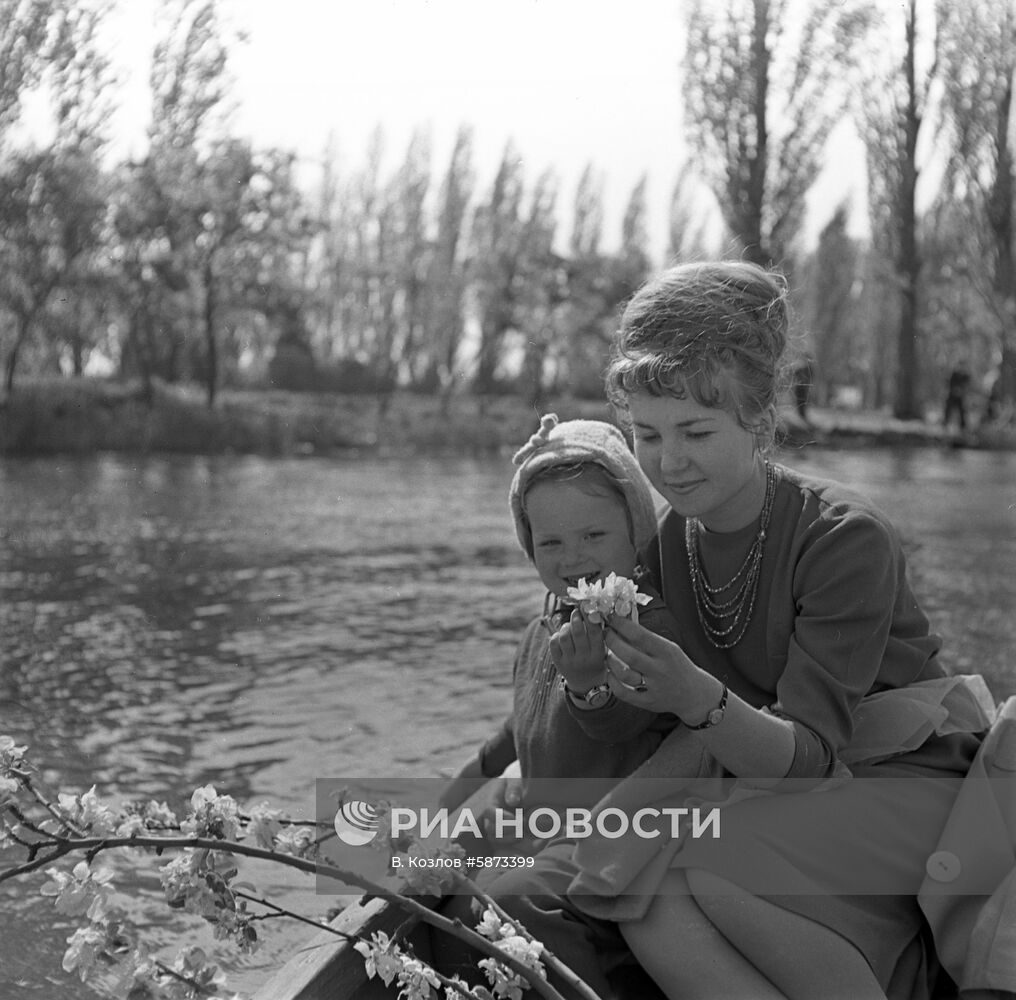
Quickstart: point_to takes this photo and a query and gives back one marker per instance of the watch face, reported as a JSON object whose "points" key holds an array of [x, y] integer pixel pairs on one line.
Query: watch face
{"points": [[598, 696], [715, 717]]}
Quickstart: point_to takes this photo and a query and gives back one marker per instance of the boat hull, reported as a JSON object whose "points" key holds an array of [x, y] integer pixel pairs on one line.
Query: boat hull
{"points": [[328, 968]]}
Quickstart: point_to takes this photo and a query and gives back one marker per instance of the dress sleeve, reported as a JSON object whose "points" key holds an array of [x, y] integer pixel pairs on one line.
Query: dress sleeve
{"points": [[845, 589], [499, 751]]}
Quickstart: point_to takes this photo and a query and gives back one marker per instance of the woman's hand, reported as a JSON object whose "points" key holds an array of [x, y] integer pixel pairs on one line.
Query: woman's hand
{"points": [[647, 670], [654, 673], [578, 653]]}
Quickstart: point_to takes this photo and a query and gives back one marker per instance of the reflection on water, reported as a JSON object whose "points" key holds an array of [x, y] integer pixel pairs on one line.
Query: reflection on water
{"points": [[256, 624]]}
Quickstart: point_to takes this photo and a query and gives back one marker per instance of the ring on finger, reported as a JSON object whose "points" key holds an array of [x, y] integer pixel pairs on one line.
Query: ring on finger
{"points": [[639, 688]]}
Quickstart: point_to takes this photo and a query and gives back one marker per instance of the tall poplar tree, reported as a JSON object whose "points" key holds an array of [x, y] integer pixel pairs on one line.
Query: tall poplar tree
{"points": [[496, 258], [446, 281], [895, 110], [190, 89], [761, 99], [978, 74]]}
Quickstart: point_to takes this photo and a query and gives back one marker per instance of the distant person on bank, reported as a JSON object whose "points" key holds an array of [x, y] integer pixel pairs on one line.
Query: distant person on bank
{"points": [[956, 397]]}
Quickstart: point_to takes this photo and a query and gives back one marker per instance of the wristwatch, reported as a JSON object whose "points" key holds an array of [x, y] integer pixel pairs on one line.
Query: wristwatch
{"points": [[596, 697], [715, 716]]}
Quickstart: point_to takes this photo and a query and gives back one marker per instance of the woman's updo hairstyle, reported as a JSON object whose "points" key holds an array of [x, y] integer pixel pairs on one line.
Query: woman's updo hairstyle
{"points": [[715, 331]]}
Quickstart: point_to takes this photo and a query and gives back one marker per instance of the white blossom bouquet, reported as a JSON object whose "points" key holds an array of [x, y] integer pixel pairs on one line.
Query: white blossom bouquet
{"points": [[614, 595]]}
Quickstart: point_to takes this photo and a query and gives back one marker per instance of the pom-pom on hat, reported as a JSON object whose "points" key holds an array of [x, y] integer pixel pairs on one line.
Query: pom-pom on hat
{"points": [[574, 442]]}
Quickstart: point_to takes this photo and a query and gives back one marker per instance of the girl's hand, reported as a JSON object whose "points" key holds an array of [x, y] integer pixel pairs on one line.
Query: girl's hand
{"points": [[578, 653], [647, 670], [503, 794]]}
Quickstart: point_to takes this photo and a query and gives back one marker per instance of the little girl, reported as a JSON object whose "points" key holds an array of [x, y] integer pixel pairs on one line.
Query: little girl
{"points": [[582, 509]]}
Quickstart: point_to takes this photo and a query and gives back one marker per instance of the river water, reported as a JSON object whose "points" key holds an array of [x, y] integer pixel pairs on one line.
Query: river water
{"points": [[257, 624]]}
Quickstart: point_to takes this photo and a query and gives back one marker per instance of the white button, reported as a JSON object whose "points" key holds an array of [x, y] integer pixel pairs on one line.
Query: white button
{"points": [[943, 866]]}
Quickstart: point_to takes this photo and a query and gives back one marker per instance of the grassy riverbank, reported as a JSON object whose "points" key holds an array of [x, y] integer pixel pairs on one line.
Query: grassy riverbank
{"points": [[66, 415], [87, 415]]}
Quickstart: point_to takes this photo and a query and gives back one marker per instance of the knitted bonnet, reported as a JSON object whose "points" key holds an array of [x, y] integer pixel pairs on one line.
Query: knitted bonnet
{"points": [[570, 443]]}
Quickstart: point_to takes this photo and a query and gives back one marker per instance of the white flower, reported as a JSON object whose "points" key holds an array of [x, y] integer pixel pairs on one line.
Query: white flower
{"points": [[416, 980], [85, 946], [264, 825], [88, 812], [490, 925], [140, 975], [158, 814], [212, 815], [8, 788], [296, 840], [81, 891], [381, 957], [615, 595], [181, 880], [10, 755], [505, 982], [192, 963], [523, 950]]}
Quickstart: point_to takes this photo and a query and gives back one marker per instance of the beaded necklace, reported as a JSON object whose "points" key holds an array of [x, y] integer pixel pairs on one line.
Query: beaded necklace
{"points": [[725, 620]]}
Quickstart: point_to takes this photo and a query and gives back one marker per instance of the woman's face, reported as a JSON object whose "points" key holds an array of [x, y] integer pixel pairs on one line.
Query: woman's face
{"points": [[699, 458]]}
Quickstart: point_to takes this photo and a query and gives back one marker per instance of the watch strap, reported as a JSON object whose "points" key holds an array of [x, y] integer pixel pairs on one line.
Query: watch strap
{"points": [[592, 696], [715, 715]]}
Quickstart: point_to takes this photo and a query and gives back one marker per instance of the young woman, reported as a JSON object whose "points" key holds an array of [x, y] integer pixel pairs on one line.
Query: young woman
{"points": [[803, 659]]}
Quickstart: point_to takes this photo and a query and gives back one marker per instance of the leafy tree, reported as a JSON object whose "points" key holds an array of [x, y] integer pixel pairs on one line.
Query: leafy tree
{"points": [[544, 287], [246, 216], [367, 235], [587, 225], [81, 81], [880, 309], [832, 279], [26, 34], [149, 279], [409, 251], [446, 280], [961, 315], [586, 314], [52, 201], [760, 103], [189, 81], [894, 113], [81, 78], [686, 230], [267, 260], [190, 87], [632, 265], [496, 257], [978, 63], [51, 219]]}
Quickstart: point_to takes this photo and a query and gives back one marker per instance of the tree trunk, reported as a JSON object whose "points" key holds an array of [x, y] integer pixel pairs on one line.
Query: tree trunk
{"points": [[1000, 217], [492, 331], [211, 342], [909, 263], [24, 324], [756, 250], [78, 356], [12, 362]]}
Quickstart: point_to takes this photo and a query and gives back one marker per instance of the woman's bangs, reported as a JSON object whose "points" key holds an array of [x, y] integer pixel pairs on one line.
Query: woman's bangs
{"points": [[677, 377]]}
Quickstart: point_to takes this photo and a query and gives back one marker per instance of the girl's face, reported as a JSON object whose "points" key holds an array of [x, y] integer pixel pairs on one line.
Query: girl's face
{"points": [[699, 458], [578, 533]]}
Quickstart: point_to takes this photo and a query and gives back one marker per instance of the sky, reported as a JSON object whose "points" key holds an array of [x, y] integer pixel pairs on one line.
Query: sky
{"points": [[569, 82]]}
